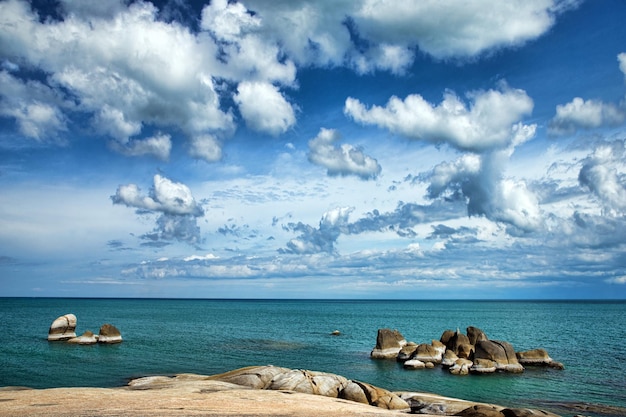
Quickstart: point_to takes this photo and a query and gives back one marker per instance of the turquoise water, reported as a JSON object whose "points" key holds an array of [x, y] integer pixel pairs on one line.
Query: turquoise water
{"points": [[214, 336]]}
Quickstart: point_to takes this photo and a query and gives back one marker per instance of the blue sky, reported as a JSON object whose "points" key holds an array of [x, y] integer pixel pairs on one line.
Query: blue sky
{"points": [[300, 149]]}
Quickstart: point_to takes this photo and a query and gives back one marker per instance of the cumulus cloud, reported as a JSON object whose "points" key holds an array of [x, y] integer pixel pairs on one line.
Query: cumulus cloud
{"points": [[478, 180], [173, 200], [621, 58], [490, 121], [36, 108], [128, 66], [603, 172], [341, 160], [585, 114], [159, 146], [321, 238], [264, 108]]}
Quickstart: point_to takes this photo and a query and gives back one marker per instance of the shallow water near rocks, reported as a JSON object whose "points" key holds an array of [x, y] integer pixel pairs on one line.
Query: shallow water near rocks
{"points": [[164, 337]]}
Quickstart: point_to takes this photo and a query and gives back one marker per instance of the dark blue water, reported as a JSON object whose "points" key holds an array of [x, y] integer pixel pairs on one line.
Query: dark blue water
{"points": [[214, 336]]}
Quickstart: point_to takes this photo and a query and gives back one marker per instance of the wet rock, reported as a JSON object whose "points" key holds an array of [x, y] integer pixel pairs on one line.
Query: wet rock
{"points": [[483, 366], [388, 344], [63, 328]]}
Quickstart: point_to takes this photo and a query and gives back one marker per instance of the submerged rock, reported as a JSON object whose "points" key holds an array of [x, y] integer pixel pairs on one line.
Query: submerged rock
{"points": [[63, 328]]}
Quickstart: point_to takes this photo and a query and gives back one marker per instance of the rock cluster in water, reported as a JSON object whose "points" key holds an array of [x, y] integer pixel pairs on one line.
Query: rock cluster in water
{"points": [[64, 329], [460, 353]]}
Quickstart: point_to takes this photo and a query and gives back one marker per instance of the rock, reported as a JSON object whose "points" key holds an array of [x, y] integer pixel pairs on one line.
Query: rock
{"points": [[461, 367], [537, 357], [388, 344], [474, 335], [382, 398], [309, 382], [465, 350], [87, 338], [63, 328], [456, 340], [502, 353], [354, 392], [429, 365], [257, 377], [446, 336], [483, 366], [526, 412], [449, 358], [480, 410], [414, 364], [335, 333], [406, 352], [109, 334], [427, 353], [440, 347]]}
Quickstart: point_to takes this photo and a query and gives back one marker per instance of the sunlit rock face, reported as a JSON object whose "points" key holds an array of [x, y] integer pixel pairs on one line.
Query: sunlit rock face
{"points": [[63, 328]]}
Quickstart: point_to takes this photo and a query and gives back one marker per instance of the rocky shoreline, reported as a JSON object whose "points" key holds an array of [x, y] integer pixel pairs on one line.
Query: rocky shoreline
{"points": [[251, 391]]}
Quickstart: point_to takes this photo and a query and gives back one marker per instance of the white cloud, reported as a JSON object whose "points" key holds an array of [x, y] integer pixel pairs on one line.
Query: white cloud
{"points": [[34, 106], [604, 174], [341, 160], [264, 108], [617, 280], [158, 146], [489, 122], [444, 29], [173, 200], [320, 239], [621, 58], [206, 147], [585, 114]]}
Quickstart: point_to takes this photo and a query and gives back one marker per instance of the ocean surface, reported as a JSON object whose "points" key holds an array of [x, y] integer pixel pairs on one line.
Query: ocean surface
{"points": [[163, 337]]}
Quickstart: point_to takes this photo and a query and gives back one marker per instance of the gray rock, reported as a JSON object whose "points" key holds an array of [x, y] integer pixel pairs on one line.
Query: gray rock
{"points": [[475, 334]]}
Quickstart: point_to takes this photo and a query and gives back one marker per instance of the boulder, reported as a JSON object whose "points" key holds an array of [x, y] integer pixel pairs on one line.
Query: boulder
{"points": [[354, 392], [382, 398], [63, 328], [109, 334], [257, 377], [414, 364], [87, 338], [537, 357], [440, 347], [335, 333], [475, 334], [461, 367], [309, 382], [483, 366], [449, 358], [480, 410], [456, 340], [388, 344], [502, 353], [526, 412], [465, 350], [406, 352], [446, 336], [427, 353]]}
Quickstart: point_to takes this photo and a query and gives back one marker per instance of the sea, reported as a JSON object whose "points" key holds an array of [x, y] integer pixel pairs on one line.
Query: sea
{"points": [[171, 336]]}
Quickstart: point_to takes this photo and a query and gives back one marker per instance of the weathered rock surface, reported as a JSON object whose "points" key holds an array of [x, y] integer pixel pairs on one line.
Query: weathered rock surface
{"points": [[537, 357], [109, 334], [461, 367], [483, 366], [63, 328], [480, 411], [406, 352], [309, 382], [87, 338], [474, 334], [457, 340], [257, 377], [414, 364], [500, 352], [427, 353], [388, 344]]}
